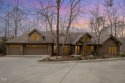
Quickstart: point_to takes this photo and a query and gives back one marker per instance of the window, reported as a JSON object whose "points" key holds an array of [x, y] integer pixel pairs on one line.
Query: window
{"points": [[112, 50], [35, 37], [66, 49], [36, 46], [77, 49], [14, 46]]}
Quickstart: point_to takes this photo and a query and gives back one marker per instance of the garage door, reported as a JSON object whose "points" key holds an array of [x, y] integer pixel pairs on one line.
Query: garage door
{"points": [[14, 50], [36, 50]]}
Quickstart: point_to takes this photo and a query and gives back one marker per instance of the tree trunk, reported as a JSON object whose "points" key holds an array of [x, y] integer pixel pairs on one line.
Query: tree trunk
{"points": [[57, 26]]}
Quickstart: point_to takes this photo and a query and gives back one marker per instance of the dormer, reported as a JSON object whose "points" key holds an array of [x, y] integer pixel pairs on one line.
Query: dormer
{"points": [[83, 38], [35, 35], [86, 38]]}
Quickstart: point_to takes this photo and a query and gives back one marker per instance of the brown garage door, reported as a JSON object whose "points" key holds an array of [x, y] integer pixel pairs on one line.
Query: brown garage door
{"points": [[14, 50], [36, 50]]}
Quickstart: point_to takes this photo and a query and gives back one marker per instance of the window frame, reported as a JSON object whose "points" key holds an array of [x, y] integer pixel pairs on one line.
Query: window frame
{"points": [[112, 50]]}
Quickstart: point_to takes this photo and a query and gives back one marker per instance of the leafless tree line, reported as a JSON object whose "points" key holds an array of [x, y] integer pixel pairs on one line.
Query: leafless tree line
{"points": [[109, 21], [15, 16], [53, 16]]}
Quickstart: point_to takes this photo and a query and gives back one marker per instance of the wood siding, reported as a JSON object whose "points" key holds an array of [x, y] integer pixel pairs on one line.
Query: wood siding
{"points": [[35, 36], [49, 50], [104, 49]]}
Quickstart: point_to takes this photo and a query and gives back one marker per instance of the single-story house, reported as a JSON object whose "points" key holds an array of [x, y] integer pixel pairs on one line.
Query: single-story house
{"points": [[36, 42]]}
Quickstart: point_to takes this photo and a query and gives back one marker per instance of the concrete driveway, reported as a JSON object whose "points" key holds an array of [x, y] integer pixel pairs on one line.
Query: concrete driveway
{"points": [[28, 70]]}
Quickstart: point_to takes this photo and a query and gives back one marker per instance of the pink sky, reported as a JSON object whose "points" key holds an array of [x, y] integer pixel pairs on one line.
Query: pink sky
{"points": [[32, 4]]}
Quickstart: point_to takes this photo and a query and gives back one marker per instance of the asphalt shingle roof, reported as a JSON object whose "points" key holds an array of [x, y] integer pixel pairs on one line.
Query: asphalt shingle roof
{"points": [[48, 38]]}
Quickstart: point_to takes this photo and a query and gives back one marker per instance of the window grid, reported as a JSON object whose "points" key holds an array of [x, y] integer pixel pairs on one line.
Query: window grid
{"points": [[13, 46], [36, 46], [112, 50]]}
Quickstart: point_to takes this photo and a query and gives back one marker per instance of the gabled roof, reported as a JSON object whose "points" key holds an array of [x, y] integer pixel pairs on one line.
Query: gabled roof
{"points": [[80, 36], [73, 38], [34, 31], [103, 40], [24, 38]]}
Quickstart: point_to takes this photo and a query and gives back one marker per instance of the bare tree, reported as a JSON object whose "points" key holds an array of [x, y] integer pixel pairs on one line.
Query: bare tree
{"points": [[109, 3], [6, 21], [51, 14], [121, 5], [47, 15], [16, 16], [112, 16], [122, 21], [120, 33], [1, 5], [57, 25], [27, 26], [98, 24], [75, 10], [1, 19]]}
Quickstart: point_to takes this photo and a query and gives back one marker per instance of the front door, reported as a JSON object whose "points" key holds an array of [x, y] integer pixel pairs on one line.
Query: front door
{"points": [[77, 50], [88, 50]]}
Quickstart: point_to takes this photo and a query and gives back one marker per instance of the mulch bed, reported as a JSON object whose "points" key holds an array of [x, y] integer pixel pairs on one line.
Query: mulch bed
{"points": [[71, 58], [55, 58], [64, 58]]}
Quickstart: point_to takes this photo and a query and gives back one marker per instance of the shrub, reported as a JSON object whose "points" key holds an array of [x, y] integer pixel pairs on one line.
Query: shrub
{"points": [[2, 47], [104, 56], [123, 54], [78, 58]]}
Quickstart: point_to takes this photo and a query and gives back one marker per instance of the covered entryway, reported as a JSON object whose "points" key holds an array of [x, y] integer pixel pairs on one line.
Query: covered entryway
{"points": [[36, 50], [13, 50]]}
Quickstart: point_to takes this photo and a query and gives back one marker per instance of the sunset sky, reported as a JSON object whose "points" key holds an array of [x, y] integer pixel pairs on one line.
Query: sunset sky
{"points": [[33, 4]]}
